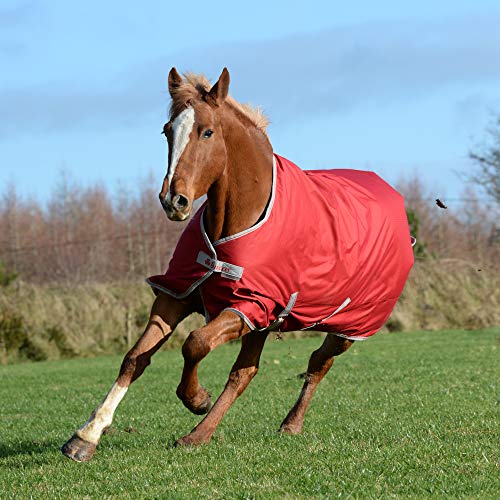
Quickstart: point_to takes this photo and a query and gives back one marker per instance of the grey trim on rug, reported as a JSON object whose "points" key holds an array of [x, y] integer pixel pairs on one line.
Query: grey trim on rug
{"points": [[342, 306], [242, 316], [349, 337]]}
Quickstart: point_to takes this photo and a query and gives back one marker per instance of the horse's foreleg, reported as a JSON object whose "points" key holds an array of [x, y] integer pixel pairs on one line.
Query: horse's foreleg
{"points": [[319, 364], [242, 372], [227, 326], [165, 315]]}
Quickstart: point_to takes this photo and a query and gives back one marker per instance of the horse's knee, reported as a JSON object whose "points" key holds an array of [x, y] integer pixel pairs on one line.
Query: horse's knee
{"points": [[196, 346], [133, 366], [128, 366], [239, 379], [237, 376]]}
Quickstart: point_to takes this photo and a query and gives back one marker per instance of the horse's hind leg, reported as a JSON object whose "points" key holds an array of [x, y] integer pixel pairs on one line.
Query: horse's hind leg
{"points": [[243, 371], [165, 315], [320, 362]]}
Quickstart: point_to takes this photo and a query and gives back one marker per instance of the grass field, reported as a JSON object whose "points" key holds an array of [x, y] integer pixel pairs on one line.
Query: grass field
{"points": [[408, 414]]}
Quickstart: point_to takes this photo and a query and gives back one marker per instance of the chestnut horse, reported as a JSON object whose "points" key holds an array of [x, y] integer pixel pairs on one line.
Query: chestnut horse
{"points": [[218, 148]]}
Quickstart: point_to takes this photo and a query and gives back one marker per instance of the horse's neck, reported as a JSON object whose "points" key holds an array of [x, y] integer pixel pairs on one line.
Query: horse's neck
{"points": [[238, 198]]}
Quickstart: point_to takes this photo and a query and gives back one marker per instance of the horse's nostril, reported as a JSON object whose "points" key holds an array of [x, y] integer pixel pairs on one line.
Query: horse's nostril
{"points": [[180, 202]]}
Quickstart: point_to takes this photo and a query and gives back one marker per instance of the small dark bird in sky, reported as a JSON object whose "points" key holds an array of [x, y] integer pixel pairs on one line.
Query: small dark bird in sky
{"points": [[440, 204]]}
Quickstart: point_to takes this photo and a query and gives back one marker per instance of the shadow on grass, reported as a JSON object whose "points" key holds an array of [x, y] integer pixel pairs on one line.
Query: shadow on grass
{"points": [[28, 448]]}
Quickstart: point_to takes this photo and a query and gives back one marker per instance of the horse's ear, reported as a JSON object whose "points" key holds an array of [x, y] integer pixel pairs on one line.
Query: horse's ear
{"points": [[174, 81], [220, 90]]}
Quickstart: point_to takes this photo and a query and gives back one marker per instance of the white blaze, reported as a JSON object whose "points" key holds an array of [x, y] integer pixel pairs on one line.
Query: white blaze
{"points": [[103, 416], [181, 130]]}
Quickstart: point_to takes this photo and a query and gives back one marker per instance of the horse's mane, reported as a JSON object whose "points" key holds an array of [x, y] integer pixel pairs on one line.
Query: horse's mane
{"points": [[194, 86]]}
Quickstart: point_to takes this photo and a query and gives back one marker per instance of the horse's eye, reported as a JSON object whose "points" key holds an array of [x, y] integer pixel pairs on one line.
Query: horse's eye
{"points": [[207, 134]]}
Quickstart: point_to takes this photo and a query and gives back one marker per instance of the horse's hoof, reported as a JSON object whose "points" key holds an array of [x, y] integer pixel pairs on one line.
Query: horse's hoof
{"points": [[190, 440], [198, 408], [204, 407], [290, 429], [78, 450]]}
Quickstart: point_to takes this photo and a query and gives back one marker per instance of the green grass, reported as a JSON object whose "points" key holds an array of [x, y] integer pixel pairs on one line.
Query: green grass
{"points": [[407, 414]]}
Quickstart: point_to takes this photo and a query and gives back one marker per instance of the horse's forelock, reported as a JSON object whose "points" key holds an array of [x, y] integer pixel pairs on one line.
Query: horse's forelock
{"points": [[195, 87], [192, 88]]}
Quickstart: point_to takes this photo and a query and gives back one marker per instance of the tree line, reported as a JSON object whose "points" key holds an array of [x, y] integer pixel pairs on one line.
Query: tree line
{"points": [[85, 234], [88, 235]]}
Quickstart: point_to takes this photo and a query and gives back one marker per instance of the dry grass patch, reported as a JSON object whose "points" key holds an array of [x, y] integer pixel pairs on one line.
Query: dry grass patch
{"points": [[52, 322]]}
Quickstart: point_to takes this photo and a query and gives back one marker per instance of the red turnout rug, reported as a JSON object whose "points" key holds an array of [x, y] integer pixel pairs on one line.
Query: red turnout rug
{"points": [[331, 253]]}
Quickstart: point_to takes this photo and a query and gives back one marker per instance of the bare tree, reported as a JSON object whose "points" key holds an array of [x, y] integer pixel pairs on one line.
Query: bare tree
{"points": [[487, 160]]}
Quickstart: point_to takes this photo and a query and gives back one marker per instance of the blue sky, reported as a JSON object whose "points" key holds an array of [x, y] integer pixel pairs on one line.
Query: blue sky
{"points": [[396, 87]]}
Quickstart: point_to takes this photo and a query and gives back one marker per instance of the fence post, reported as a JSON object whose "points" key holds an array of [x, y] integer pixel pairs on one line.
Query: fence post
{"points": [[128, 328]]}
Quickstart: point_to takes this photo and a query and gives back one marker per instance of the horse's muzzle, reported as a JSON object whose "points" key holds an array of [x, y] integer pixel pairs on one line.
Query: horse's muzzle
{"points": [[177, 208]]}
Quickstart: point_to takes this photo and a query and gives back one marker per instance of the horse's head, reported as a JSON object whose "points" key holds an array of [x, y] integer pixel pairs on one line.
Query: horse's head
{"points": [[197, 152]]}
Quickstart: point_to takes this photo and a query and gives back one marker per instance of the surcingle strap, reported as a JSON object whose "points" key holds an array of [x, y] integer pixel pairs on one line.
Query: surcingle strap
{"points": [[226, 270], [283, 314]]}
